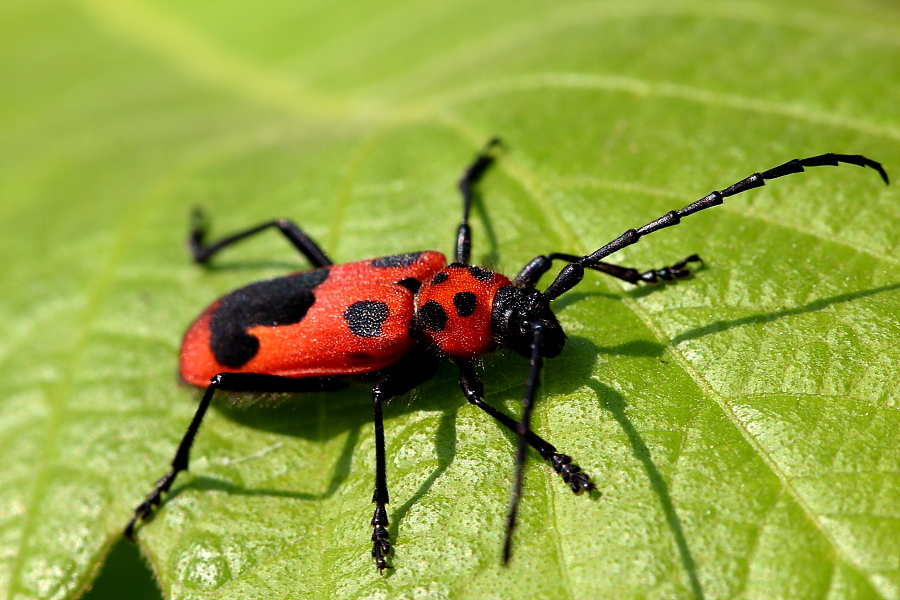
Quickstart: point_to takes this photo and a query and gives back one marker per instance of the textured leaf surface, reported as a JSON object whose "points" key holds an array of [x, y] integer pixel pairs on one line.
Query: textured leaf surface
{"points": [[741, 425]]}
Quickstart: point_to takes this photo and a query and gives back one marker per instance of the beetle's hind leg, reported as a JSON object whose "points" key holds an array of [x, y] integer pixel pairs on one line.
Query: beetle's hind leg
{"points": [[202, 251], [237, 382], [179, 464]]}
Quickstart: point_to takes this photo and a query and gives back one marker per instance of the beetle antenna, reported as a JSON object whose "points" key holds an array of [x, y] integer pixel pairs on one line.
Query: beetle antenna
{"points": [[522, 429], [572, 273]]}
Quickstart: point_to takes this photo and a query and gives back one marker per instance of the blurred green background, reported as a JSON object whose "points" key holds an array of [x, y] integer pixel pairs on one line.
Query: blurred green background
{"points": [[742, 425]]}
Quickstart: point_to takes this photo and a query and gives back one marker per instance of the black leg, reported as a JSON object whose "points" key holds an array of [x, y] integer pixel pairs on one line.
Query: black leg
{"points": [[572, 274], [532, 272], [414, 370], [238, 382], [203, 252], [571, 473], [675, 271], [470, 177], [381, 547]]}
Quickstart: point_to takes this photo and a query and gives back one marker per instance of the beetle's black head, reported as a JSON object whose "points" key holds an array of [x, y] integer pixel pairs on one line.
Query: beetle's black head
{"points": [[515, 312]]}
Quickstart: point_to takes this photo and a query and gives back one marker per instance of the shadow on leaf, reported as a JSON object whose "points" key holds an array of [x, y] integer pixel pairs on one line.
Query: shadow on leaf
{"points": [[615, 403], [720, 326]]}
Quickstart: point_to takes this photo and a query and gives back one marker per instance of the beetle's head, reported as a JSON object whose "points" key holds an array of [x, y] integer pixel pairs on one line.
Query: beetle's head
{"points": [[514, 314]]}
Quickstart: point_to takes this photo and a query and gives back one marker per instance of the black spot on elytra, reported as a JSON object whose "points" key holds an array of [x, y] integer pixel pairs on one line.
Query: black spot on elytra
{"points": [[366, 317], [397, 260], [282, 301], [465, 303], [440, 278], [480, 274], [432, 316]]}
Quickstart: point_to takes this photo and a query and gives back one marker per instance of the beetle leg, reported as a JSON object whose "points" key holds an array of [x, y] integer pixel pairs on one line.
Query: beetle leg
{"points": [[179, 463], [238, 382], [470, 177], [417, 368], [531, 273], [381, 547], [571, 473], [675, 271], [203, 252]]}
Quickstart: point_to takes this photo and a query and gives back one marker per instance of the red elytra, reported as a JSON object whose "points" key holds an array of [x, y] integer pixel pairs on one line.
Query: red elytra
{"points": [[322, 342]]}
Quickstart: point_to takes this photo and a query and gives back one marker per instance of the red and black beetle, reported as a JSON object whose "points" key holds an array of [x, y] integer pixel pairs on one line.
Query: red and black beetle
{"points": [[396, 318]]}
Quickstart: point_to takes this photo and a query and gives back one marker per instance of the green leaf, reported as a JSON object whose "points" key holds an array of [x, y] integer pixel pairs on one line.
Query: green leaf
{"points": [[742, 425]]}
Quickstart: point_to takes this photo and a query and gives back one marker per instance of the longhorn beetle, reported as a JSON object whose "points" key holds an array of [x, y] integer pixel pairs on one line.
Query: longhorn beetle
{"points": [[395, 318]]}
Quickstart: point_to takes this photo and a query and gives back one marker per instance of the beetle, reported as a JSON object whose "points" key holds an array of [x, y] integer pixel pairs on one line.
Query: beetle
{"points": [[394, 319]]}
